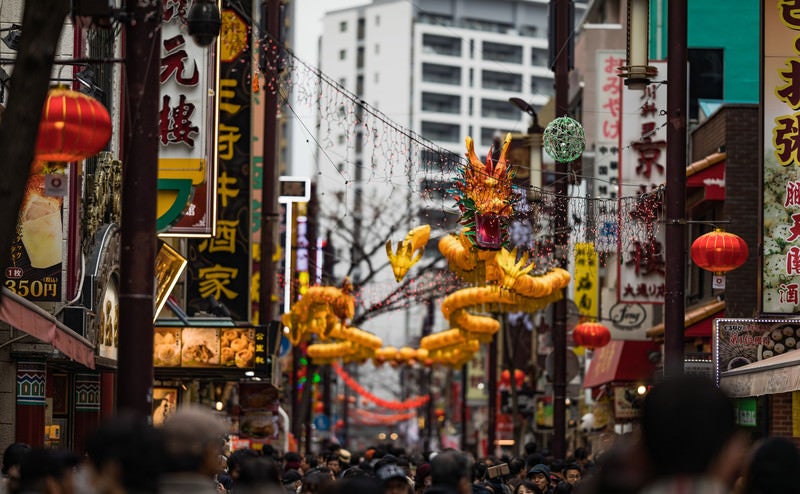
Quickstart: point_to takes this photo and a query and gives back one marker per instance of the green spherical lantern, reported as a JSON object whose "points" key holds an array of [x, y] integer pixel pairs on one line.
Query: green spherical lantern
{"points": [[564, 139]]}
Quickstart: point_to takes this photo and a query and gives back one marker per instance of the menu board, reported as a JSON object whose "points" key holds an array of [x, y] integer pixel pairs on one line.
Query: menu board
{"points": [[194, 347], [738, 342]]}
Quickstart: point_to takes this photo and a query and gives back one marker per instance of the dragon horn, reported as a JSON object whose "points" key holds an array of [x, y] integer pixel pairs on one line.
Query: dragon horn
{"points": [[473, 158], [500, 169]]}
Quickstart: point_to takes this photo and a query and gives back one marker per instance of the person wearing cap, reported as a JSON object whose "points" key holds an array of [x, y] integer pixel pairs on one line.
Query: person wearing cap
{"points": [[344, 459], [451, 472], [292, 481], [12, 458], [539, 474], [394, 479]]}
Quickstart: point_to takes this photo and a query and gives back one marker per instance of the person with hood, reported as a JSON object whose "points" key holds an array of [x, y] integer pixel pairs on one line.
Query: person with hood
{"points": [[539, 474]]}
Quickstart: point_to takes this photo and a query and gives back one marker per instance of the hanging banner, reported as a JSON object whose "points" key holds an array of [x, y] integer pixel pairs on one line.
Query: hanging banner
{"points": [[219, 266], [643, 157], [780, 102], [187, 129]]}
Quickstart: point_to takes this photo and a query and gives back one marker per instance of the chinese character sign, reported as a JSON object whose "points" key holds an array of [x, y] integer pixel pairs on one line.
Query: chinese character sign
{"points": [[187, 128], [220, 265], [780, 289], [643, 141], [586, 279], [609, 102]]}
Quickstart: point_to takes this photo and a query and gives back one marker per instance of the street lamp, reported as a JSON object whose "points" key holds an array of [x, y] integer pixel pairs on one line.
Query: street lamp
{"points": [[636, 72], [534, 144]]}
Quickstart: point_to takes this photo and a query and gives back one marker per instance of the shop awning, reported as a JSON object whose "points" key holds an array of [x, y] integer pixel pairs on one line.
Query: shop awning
{"points": [[621, 361], [37, 322], [780, 374], [708, 174], [698, 322]]}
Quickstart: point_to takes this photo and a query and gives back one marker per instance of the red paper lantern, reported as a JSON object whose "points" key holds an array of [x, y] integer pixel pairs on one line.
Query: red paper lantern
{"points": [[591, 335], [74, 126], [719, 251]]}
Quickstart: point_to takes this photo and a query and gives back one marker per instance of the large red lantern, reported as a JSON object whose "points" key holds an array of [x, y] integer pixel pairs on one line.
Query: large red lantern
{"points": [[719, 252], [74, 126], [591, 335]]}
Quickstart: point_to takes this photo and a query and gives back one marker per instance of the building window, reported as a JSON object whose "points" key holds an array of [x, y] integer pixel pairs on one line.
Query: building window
{"points": [[706, 71], [377, 48], [437, 131], [340, 139], [343, 27], [343, 82], [500, 52], [377, 20], [377, 77], [441, 74], [441, 103], [342, 54]]}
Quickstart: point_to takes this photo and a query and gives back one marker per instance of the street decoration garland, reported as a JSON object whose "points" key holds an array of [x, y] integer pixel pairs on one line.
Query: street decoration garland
{"points": [[414, 402], [365, 417]]}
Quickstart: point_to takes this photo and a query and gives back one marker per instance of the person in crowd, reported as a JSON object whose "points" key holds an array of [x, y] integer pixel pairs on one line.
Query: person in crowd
{"points": [[556, 472], [12, 458], [235, 461], [572, 473], [345, 458], [193, 439], [48, 471], [353, 485], [316, 481], [690, 437], [450, 473], [422, 478], [292, 461], [539, 474], [771, 468], [581, 457], [259, 475], [394, 479], [527, 487], [517, 471], [292, 481], [332, 462], [126, 454], [308, 461]]}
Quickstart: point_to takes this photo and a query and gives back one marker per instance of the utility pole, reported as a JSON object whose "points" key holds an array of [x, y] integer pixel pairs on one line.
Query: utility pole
{"points": [[561, 51], [675, 229], [138, 217]]}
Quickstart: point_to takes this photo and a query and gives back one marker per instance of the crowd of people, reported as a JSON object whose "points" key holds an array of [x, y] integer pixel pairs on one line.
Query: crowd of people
{"points": [[688, 442]]}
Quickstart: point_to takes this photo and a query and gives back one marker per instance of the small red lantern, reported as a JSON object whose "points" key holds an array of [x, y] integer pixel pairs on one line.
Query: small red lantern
{"points": [[719, 252], [74, 126], [591, 335]]}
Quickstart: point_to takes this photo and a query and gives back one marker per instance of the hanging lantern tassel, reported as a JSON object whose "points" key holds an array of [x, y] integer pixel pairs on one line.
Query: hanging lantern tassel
{"points": [[719, 252]]}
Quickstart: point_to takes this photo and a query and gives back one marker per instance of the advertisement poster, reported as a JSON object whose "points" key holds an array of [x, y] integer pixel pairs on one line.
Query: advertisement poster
{"points": [[260, 419], [191, 347], [34, 270], [738, 342]]}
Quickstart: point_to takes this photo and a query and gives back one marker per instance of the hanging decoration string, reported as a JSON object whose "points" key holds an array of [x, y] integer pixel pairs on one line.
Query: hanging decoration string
{"points": [[414, 402]]}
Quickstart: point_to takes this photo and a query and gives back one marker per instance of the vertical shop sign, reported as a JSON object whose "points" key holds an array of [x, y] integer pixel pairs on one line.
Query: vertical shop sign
{"points": [[606, 163], [220, 266], [586, 279], [643, 141], [187, 129], [780, 101], [34, 270]]}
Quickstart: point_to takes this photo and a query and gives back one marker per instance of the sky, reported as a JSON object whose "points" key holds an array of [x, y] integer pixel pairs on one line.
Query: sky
{"points": [[308, 28]]}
